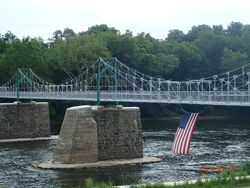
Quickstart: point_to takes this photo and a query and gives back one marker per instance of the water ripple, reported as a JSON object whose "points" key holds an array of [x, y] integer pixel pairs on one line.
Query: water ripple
{"points": [[214, 143]]}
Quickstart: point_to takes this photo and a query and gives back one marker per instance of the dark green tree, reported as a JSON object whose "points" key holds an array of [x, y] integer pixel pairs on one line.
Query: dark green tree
{"points": [[68, 33], [218, 29], [127, 50], [25, 53], [244, 44], [232, 60], [74, 54], [195, 32], [193, 62], [98, 29], [166, 64], [235, 29], [212, 45], [175, 34]]}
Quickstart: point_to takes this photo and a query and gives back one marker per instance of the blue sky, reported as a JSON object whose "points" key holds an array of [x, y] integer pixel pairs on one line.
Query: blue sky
{"points": [[41, 18]]}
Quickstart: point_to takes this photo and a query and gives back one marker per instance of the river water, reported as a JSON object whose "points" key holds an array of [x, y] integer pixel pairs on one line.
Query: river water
{"points": [[221, 142]]}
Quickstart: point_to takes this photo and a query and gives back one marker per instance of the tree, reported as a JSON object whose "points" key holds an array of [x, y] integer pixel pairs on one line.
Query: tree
{"points": [[218, 29], [3, 46], [235, 29], [193, 62], [196, 31], [58, 34], [166, 64], [75, 54], [68, 33], [145, 58], [212, 45], [127, 50], [175, 34], [232, 60], [110, 39], [25, 53], [245, 43], [98, 29], [246, 28], [9, 38]]}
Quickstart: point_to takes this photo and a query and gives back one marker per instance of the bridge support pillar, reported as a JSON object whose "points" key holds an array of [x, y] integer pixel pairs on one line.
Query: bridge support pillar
{"points": [[77, 141], [94, 133], [24, 120]]}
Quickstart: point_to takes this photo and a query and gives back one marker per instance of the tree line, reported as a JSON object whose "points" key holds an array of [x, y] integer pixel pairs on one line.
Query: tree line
{"points": [[204, 51]]}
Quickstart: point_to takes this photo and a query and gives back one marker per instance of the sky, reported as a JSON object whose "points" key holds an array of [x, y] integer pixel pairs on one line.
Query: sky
{"points": [[41, 18]]}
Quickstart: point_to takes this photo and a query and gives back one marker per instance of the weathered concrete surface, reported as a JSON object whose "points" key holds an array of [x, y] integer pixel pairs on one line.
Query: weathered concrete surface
{"points": [[77, 141], [52, 137], [24, 120], [114, 162]]}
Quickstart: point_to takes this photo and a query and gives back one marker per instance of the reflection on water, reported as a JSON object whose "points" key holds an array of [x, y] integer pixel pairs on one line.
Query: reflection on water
{"points": [[215, 143]]}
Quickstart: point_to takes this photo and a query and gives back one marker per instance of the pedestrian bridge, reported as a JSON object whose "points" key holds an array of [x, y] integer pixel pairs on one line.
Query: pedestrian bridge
{"points": [[110, 80]]}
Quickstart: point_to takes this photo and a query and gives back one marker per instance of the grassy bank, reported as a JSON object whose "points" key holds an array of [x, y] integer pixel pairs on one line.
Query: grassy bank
{"points": [[225, 179]]}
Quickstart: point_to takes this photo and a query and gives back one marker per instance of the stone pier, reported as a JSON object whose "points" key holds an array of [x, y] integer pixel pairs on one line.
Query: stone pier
{"points": [[24, 120], [95, 133]]}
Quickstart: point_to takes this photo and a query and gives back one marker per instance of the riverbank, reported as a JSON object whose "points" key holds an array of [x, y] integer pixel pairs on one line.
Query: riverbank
{"points": [[236, 182]]}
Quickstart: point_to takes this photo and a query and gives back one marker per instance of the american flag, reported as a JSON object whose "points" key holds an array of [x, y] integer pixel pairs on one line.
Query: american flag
{"points": [[184, 133]]}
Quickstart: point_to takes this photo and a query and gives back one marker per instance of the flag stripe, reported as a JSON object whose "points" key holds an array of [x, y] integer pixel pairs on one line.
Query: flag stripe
{"points": [[191, 133], [190, 126], [187, 131], [184, 133], [175, 140], [179, 139]]}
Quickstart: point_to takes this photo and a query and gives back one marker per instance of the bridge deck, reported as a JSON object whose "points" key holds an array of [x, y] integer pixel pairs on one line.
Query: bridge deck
{"points": [[164, 97]]}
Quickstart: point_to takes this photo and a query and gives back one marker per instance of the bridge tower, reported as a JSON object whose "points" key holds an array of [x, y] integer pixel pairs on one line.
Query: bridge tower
{"points": [[22, 75], [103, 68]]}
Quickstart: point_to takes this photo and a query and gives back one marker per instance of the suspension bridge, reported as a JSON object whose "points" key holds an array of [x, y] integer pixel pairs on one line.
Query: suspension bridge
{"points": [[110, 80]]}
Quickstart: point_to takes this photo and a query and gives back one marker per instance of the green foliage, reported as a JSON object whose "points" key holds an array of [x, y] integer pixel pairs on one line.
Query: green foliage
{"points": [[235, 29], [213, 46], [166, 64], [232, 60], [204, 51], [105, 185], [245, 166], [224, 175], [89, 182], [175, 34]]}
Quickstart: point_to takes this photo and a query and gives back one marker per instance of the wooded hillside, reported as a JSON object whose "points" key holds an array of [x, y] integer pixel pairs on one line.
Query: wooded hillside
{"points": [[204, 51]]}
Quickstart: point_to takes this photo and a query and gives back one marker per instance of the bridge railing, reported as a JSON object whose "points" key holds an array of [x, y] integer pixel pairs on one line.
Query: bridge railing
{"points": [[185, 97]]}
